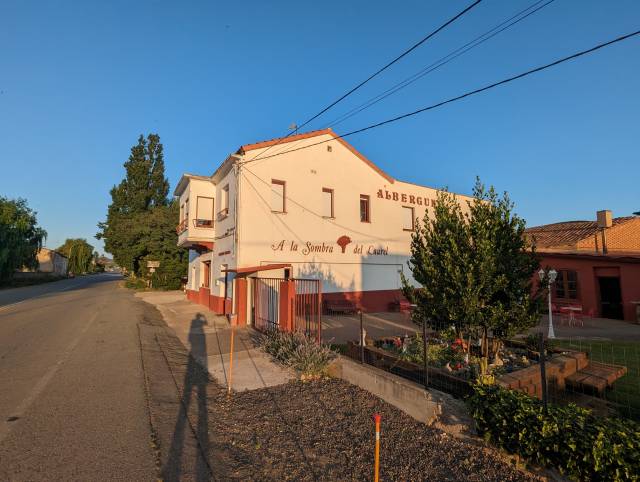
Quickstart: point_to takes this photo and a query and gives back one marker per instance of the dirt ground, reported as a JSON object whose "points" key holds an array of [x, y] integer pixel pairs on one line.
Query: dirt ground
{"points": [[323, 430], [319, 430]]}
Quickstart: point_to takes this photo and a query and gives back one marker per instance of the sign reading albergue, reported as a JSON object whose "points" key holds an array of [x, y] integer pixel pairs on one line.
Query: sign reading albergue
{"points": [[405, 198]]}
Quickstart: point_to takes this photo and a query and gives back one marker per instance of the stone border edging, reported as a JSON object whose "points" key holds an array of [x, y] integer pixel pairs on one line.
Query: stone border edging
{"points": [[405, 395]]}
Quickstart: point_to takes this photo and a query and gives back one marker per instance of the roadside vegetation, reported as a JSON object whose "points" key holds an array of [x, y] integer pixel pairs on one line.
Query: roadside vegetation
{"points": [[81, 256], [20, 238], [141, 220]]}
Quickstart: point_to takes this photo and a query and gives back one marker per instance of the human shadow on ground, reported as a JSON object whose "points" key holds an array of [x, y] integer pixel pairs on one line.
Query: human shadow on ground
{"points": [[195, 383]]}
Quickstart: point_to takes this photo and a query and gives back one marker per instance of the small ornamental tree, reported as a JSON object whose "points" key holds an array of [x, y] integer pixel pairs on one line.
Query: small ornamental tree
{"points": [[474, 267]]}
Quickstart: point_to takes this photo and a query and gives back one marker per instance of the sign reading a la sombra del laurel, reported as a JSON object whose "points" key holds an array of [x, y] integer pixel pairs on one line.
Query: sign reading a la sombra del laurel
{"points": [[340, 246]]}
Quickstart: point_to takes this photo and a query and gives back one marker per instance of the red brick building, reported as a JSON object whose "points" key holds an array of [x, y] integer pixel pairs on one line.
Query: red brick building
{"points": [[598, 264]]}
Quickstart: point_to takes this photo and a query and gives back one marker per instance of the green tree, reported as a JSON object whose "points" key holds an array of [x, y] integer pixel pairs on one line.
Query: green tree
{"points": [[80, 255], [20, 237], [140, 223], [143, 188], [474, 268], [161, 245]]}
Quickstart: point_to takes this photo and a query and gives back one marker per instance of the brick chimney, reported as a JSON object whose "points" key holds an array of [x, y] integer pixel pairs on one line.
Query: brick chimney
{"points": [[605, 221]]}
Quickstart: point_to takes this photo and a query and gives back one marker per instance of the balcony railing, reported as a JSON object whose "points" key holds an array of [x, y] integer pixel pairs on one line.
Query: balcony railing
{"points": [[203, 223], [223, 214], [182, 227]]}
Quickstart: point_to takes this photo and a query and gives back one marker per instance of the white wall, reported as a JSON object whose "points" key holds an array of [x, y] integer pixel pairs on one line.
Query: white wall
{"points": [[224, 249], [377, 250]]}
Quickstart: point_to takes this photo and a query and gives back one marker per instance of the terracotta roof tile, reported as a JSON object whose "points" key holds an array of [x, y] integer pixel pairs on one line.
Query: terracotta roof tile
{"points": [[567, 233]]}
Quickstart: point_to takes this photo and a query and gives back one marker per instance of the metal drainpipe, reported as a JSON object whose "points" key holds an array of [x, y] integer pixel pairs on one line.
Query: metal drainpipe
{"points": [[236, 243], [236, 231]]}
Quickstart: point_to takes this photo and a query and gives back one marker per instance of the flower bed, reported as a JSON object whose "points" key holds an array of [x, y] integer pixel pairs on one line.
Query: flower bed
{"points": [[457, 357]]}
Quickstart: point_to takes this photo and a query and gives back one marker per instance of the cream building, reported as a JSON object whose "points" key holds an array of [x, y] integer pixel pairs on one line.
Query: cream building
{"points": [[50, 261], [321, 210]]}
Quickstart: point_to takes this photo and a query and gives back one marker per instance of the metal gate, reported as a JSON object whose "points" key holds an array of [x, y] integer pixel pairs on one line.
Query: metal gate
{"points": [[266, 303], [306, 310]]}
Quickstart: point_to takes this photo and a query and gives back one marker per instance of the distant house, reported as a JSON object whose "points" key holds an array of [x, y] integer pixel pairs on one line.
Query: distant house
{"points": [[52, 262], [598, 264]]}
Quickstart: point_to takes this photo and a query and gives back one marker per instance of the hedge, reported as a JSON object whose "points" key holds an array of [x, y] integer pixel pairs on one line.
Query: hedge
{"points": [[568, 438]]}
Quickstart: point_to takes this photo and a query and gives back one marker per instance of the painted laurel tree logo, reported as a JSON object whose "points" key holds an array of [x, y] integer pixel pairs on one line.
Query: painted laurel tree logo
{"points": [[343, 241]]}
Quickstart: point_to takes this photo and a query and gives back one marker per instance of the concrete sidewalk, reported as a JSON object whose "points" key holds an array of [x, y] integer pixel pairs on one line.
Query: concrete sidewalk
{"points": [[207, 336]]}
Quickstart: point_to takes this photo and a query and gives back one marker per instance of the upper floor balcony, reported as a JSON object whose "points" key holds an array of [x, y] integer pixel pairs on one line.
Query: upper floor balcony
{"points": [[196, 233], [196, 228]]}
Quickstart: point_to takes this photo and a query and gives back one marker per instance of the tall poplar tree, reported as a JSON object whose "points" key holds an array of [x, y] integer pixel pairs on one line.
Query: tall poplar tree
{"points": [[132, 229]]}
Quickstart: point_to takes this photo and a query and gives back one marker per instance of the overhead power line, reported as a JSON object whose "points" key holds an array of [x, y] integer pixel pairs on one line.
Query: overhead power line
{"points": [[501, 27], [489, 34], [467, 94], [379, 71]]}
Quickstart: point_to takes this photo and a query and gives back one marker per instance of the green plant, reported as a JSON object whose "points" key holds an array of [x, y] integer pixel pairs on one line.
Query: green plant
{"points": [[569, 438], [141, 220], [135, 283], [20, 237], [532, 341], [297, 351], [473, 267], [438, 354]]}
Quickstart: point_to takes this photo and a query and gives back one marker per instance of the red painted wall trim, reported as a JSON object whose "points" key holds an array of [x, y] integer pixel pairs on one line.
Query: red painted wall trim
{"points": [[203, 296], [217, 304], [371, 301]]}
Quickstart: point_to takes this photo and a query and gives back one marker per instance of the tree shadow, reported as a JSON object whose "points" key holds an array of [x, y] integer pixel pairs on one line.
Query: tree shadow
{"points": [[196, 379]]}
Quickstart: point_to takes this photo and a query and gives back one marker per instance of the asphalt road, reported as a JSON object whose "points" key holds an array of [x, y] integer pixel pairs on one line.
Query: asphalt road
{"points": [[72, 397]]}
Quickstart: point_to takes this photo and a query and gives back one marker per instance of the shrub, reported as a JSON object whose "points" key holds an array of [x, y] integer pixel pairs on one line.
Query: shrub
{"points": [[297, 351], [568, 438], [135, 283]]}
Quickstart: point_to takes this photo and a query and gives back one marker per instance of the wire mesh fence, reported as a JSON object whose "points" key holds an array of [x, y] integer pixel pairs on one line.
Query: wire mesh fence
{"points": [[596, 373], [607, 380]]}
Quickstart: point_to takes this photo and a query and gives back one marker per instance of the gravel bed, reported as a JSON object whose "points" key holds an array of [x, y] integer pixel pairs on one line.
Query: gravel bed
{"points": [[323, 430]]}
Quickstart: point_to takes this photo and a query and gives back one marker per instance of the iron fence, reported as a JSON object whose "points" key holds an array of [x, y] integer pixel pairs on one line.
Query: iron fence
{"points": [[599, 374], [308, 308]]}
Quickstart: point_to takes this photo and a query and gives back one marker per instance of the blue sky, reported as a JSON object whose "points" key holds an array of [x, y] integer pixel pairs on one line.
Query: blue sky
{"points": [[79, 81]]}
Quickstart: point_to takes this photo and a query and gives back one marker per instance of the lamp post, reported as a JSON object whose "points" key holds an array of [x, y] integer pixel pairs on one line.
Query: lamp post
{"points": [[551, 278]]}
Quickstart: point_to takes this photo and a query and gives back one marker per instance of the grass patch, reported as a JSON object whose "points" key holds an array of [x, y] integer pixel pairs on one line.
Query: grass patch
{"points": [[625, 394]]}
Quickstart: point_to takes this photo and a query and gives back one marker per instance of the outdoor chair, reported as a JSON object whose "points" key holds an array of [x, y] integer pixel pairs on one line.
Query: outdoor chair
{"points": [[572, 315]]}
